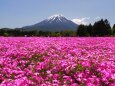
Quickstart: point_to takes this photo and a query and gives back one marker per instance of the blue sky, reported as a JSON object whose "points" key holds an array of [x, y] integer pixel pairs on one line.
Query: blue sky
{"points": [[19, 13]]}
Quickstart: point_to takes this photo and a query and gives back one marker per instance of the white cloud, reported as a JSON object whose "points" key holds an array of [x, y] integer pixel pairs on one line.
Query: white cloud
{"points": [[97, 18], [86, 20], [81, 20]]}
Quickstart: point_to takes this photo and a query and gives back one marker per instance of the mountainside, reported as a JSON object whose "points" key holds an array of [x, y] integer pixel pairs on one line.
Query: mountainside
{"points": [[53, 23]]}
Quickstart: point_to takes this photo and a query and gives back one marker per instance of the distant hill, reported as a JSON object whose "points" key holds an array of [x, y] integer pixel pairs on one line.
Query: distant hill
{"points": [[53, 23]]}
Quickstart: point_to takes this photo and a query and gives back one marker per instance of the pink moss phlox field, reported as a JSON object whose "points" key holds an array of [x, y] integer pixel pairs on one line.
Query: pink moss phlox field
{"points": [[61, 61]]}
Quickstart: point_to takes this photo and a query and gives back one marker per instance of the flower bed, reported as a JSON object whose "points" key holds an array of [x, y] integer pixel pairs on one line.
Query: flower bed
{"points": [[40, 61]]}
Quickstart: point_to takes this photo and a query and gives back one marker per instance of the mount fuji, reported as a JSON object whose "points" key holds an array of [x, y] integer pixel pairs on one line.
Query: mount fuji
{"points": [[53, 23]]}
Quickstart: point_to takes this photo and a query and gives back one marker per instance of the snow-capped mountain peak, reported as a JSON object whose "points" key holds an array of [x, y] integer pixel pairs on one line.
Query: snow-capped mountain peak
{"points": [[56, 16], [53, 23]]}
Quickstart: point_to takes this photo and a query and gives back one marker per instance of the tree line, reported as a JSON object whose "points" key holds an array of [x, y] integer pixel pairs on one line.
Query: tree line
{"points": [[99, 28]]}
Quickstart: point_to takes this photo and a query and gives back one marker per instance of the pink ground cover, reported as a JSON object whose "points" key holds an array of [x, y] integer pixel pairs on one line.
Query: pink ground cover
{"points": [[61, 61]]}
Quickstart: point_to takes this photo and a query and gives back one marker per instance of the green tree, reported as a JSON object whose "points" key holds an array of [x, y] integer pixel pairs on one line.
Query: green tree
{"points": [[113, 30], [108, 27], [101, 28], [68, 33], [89, 30], [6, 34], [82, 30]]}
